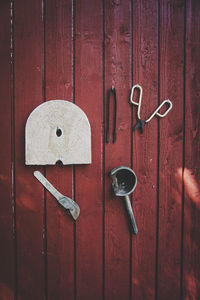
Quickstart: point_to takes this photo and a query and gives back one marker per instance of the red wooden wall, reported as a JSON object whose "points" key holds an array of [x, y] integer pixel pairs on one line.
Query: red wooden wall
{"points": [[76, 50]]}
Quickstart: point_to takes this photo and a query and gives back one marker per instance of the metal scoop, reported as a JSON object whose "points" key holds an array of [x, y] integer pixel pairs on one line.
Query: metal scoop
{"points": [[65, 201], [124, 182]]}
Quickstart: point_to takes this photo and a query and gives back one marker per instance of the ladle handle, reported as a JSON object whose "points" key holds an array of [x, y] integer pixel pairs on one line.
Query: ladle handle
{"points": [[131, 215]]}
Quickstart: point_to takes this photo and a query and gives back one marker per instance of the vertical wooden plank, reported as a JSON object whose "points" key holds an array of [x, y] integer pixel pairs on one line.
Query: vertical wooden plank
{"points": [[171, 145], [117, 74], [59, 77], [88, 188], [29, 195], [191, 176], [145, 50], [7, 269]]}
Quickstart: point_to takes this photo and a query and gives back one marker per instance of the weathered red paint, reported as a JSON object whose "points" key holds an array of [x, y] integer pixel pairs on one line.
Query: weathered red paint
{"points": [[59, 85], [88, 178], [171, 145], [117, 74], [76, 51], [29, 195], [7, 262], [145, 64], [191, 174]]}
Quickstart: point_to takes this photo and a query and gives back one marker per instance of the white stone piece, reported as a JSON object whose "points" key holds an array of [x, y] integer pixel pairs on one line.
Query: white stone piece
{"points": [[57, 130]]}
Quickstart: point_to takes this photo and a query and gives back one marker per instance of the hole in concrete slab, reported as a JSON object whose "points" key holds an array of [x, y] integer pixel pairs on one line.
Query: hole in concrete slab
{"points": [[58, 132], [59, 163]]}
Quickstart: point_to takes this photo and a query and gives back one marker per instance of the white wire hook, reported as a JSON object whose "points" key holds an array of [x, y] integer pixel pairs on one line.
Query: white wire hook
{"points": [[156, 112]]}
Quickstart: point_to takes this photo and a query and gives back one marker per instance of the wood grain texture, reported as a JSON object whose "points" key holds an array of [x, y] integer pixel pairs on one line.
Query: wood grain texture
{"points": [[191, 176], [7, 273], [59, 85], [29, 195], [117, 74], [77, 50], [145, 63], [88, 187], [171, 145]]}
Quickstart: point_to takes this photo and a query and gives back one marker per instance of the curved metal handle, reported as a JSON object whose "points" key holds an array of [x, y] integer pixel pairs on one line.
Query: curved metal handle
{"points": [[156, 111], [137, 86], [131, 215]]}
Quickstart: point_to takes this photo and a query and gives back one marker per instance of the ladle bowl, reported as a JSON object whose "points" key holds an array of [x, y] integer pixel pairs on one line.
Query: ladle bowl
{"points": [[124, 182]]}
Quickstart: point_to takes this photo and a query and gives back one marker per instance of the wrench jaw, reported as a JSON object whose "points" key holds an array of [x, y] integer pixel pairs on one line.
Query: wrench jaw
{"points": [[71, 207], [75, 212]]}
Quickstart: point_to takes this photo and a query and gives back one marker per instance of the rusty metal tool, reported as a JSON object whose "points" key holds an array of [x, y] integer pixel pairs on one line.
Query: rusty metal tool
{"points": [[113, 91], [140, 124], [69, 204], [124, 182]]}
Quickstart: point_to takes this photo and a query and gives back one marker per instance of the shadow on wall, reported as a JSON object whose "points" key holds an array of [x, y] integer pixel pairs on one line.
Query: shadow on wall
{"points": [[6, 241], [27, 206], [6, 292], [30, 239], [191, 233]]}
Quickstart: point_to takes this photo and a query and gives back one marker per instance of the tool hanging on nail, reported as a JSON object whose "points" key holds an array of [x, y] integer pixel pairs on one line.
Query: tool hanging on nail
{"points": [[140, 124], [113, 91]]}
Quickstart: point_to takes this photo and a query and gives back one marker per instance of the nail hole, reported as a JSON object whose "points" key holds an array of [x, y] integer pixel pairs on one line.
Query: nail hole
{"points": [[58, 132]]}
